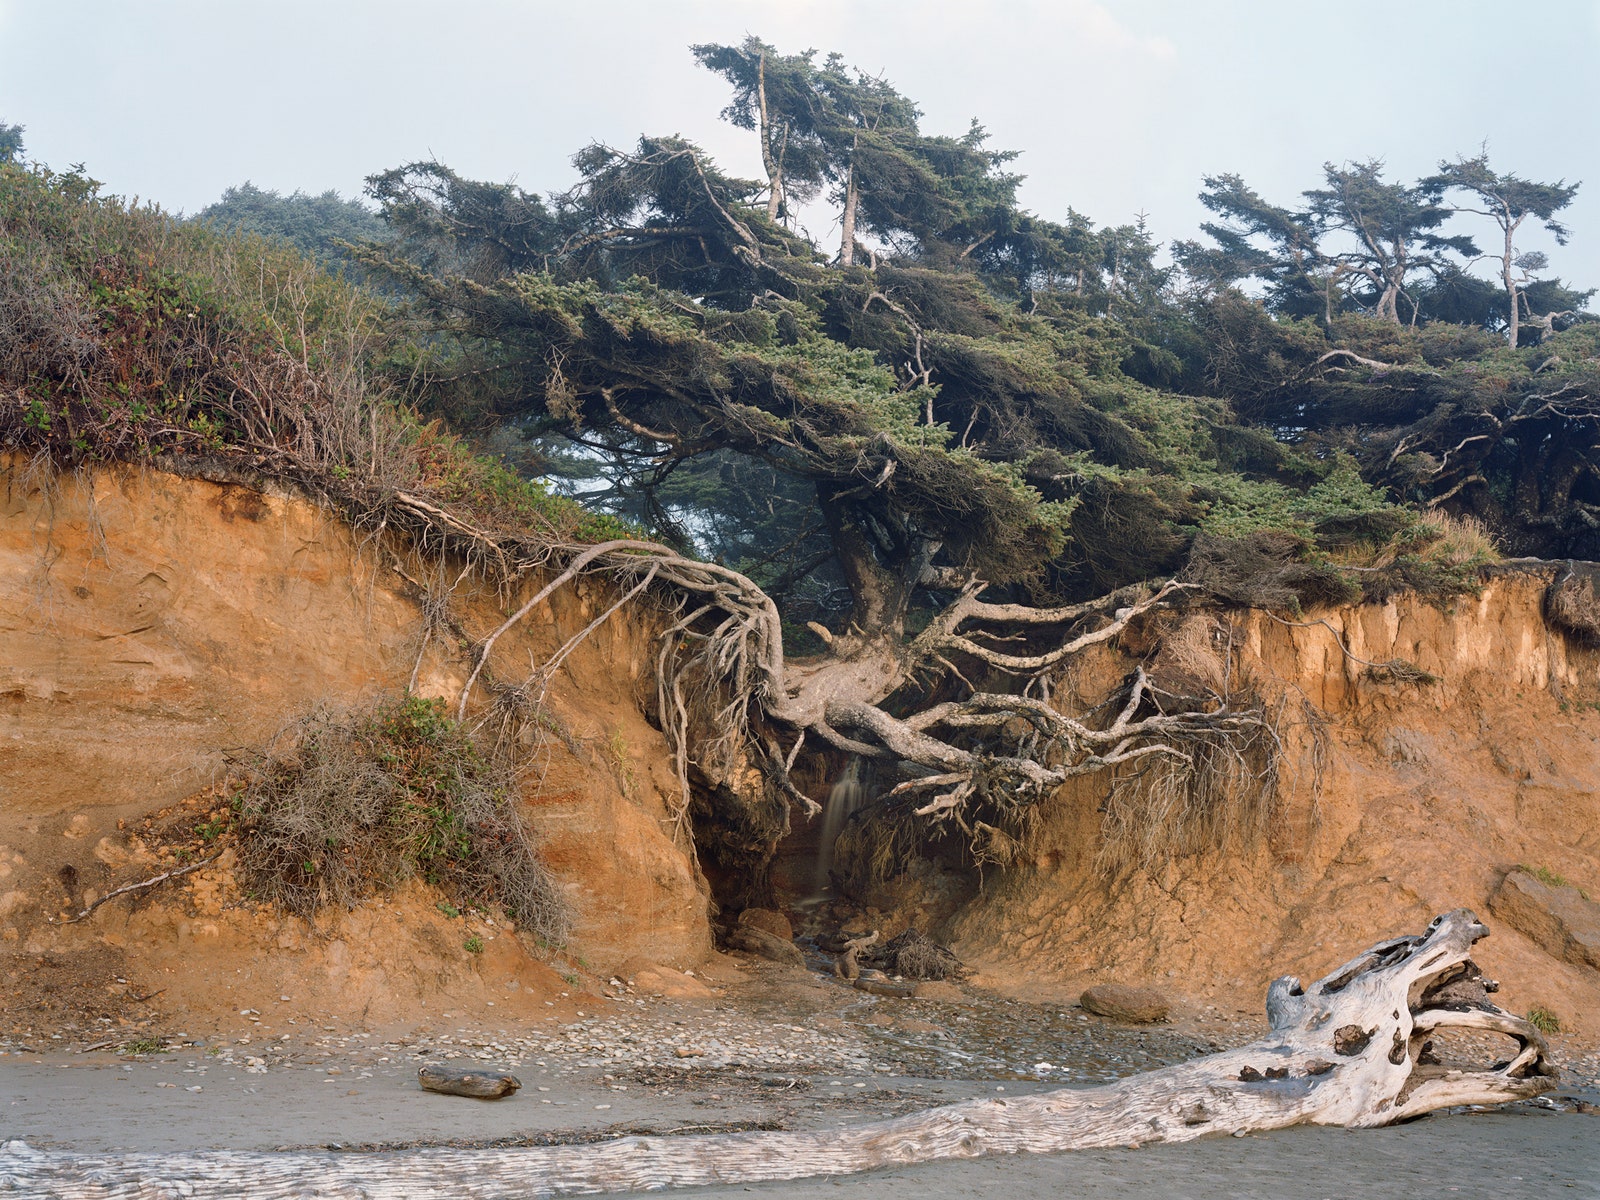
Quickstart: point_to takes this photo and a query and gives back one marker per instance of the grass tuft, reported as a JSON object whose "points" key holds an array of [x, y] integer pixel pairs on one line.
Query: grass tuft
{"points": [[1544, 1020]]}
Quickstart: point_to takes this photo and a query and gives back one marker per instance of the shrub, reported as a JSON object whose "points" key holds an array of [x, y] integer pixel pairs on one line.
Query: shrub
{"points": [[1457, 541], [126, 335], [1570, 603], [342, 804]]}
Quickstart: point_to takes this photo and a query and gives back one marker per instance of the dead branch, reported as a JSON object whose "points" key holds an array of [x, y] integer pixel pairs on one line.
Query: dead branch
{"points": [[142, 885], [573, 569], [1398, 668]]}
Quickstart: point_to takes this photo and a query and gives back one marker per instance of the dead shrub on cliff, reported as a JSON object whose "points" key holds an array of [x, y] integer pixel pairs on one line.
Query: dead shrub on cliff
{"points": [[1267, 569], [342, 804], [1570, 603]]}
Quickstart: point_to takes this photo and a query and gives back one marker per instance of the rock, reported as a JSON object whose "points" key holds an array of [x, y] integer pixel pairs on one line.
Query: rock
{"points": [[758, 941], [1132, 1005], [938, 989], [663, 981], [1559, 919], [453, 1081], [768, 921]]}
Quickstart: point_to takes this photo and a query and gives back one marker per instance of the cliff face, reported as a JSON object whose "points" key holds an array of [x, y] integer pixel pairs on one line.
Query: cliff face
{"points": [[1417, 798], [150, 623]]}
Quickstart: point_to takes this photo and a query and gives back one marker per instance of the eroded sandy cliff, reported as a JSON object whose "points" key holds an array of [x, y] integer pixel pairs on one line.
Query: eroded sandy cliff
{"points": [[150, 624], [1429, 793]]}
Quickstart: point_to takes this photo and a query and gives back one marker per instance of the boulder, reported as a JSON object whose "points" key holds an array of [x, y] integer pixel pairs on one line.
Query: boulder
{"points": [[768, 921], [1558, 918], [1131, 1005], [758, 941]]}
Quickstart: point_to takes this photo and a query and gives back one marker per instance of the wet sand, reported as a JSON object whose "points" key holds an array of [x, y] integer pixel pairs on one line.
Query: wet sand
{"points": [[90, 1106], [1537, 1155]]}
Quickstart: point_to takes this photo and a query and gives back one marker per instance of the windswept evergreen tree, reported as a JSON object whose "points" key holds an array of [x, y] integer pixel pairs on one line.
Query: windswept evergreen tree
{"points": [[1509, 201], [11, 142], [319, 225]]}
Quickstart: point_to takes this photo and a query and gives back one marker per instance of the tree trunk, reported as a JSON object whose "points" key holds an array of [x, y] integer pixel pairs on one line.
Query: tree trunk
{"points": [[852, 197], [1345, 1051], [879, 593], [772, 166], [1513, 294]]}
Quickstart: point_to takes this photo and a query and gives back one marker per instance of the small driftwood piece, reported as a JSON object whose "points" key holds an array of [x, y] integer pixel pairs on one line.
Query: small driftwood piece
{"points": [[879, 984], [1343, 1051], [848, 964], [454, 1081]]}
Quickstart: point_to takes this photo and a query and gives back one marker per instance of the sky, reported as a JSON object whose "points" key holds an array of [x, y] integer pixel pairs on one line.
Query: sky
{"points": [[1120, 107]]}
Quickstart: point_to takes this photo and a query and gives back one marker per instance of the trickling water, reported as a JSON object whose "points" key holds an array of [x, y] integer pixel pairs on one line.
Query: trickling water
{"points": [[843, 799]]}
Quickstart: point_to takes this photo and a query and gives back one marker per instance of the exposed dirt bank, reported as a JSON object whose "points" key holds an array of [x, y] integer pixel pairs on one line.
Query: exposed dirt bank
{"points": [[149, 625], [1399, 800]]}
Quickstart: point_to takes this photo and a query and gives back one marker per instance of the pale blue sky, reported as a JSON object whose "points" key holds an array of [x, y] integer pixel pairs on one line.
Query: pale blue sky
{"points": [[1119, 106]]}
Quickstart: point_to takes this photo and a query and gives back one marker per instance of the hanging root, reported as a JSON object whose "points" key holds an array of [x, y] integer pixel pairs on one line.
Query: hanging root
{"points": [[725, 696]]}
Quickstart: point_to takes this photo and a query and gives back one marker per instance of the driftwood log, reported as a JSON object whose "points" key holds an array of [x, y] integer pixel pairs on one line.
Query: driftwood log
{"points": [[454, 1081], [1344, 1051]]}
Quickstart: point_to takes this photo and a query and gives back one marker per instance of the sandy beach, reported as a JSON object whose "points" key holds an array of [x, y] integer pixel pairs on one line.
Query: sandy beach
{"points": [[777, 1050]]}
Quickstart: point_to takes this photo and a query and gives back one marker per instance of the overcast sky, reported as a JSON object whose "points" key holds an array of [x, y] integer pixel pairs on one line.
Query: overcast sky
{"points": [[1119, 106]]}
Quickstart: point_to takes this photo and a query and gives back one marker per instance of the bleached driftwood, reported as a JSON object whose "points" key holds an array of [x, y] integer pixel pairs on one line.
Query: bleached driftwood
{"points": [[1344, 1051]]}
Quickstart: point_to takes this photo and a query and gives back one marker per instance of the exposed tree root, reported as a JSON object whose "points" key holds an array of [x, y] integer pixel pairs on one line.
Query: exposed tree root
{"points": [[728, 699]]}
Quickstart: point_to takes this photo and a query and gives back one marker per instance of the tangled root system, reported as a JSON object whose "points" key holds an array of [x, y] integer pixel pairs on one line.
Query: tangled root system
{"points": [[912, 956]]}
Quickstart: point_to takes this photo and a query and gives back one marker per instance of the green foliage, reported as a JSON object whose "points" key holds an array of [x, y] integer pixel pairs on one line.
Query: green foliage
{"points": [[127, 335], [314, 225], [144, 1045], [1551, 878], [11, 143], [473, 945], [1038, 400]]}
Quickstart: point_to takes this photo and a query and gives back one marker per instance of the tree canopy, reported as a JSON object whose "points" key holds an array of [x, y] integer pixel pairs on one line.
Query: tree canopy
{"points": [[319, 226]]}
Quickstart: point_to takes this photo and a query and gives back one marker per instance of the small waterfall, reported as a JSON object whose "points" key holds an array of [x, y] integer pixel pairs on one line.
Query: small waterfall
{"points": [[843, 799]]}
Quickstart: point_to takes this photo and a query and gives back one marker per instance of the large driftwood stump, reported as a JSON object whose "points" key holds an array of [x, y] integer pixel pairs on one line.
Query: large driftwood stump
{"points": [[1343, 1051]]}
